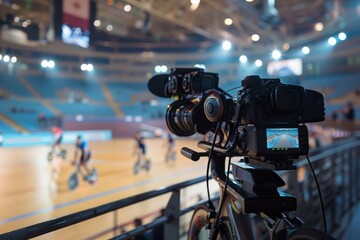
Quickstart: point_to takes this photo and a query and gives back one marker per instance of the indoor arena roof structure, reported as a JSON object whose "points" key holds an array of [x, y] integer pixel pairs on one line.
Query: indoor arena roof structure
{"points": [[250, 25]]}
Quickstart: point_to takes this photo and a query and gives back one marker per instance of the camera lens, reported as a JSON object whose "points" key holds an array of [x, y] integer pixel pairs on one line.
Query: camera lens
{"points": [[179, 118], [287, 99], [213, 108]]}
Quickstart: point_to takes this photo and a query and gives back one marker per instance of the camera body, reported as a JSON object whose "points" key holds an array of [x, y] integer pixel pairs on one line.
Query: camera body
{"points": [[266, 121], [268, 101]]}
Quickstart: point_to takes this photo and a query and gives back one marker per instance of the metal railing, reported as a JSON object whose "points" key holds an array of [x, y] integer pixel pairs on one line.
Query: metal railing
{"points": [[336, 167]]}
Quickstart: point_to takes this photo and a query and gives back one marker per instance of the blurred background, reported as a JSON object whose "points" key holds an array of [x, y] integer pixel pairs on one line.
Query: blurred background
{"points": [[83, 66]]}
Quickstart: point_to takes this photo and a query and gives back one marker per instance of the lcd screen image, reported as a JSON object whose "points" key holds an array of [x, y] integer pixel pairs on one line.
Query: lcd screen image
{"points": [[282, 138]]}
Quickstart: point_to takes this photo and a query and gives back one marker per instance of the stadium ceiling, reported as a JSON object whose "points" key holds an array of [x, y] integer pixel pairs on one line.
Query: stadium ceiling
{"points": [[154, 24]]}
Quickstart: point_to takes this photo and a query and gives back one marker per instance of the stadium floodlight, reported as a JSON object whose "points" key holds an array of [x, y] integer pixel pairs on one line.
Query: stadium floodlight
{"points": [[243, 59], [44, 63], [332, 41], [157, 68], [6, 58], [305, 50], [226, 45], [51, 64], [163, 68], [258, 63], [83, 67], [89, 67], [276, 54]]}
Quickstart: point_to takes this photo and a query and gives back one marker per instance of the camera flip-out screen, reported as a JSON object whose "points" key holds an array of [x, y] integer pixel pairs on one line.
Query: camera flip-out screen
{"points": [[282, 139]]}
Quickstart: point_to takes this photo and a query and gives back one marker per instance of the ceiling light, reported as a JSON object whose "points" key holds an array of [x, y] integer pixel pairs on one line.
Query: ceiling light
{"points": [[127, 8], [44, 63], [51, 64], [13, 59], [342, 36], [305, 50], [193, 7], [157, 69], [319, 26], [226, 45], [83, 67], [109, 27], [97, 23], [258, 63], [286, 46], [228, 21], [6, 58], [332, 41], [89, 67], [243, 59], [276, 54], [163, 68], [255, 37], [249, 0]]}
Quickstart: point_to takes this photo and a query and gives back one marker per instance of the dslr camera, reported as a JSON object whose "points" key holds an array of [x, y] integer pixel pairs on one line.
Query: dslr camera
{"points": [[265, 123]]}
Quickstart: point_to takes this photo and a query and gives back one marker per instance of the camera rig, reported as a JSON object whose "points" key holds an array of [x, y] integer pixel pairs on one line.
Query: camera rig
{"points": [[265, 123]]}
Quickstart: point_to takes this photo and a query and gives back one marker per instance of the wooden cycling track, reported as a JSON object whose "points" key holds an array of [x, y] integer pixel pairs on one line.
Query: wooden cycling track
{"points": [[30, 193]]}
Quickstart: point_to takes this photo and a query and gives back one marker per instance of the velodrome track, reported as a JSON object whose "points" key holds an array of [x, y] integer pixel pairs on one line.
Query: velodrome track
{"points": [[30, 193]]}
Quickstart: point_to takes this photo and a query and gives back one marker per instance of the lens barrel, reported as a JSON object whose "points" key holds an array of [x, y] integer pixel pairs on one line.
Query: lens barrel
{"points": [[180, 118]]}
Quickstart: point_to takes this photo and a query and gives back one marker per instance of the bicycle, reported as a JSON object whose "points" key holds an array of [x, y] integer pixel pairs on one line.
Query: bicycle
{"points": [[266, 126], [139, 165], [62, 154], [73, 181]]}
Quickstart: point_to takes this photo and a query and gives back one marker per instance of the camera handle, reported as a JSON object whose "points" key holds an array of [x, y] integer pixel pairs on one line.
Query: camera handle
{"points": [[193, 155]]}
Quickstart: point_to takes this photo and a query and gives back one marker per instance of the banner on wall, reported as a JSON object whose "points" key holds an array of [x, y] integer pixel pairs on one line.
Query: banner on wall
{"points": [[69, 137]]}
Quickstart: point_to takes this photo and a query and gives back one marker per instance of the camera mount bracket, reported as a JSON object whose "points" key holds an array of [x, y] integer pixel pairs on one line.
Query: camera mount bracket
{"points": [[260, 190]]}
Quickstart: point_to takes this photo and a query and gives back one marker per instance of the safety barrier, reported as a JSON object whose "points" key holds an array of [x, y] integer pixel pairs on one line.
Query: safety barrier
{"points": [[336, 167]]}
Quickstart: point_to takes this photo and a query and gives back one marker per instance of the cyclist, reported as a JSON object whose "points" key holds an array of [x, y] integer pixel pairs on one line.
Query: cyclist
{"points": [[83, 148], [58, 134], [140, 151], [170, 151]]}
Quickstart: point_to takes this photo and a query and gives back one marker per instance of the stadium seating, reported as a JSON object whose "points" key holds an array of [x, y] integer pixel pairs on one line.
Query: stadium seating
{"points": [[122, 91], [24, 112], [5, 128], [11, 84], [53, 87], [72, 109]]}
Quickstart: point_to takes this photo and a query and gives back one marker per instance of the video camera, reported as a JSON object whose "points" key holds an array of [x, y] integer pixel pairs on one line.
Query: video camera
{"points": [[266, 122]]}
